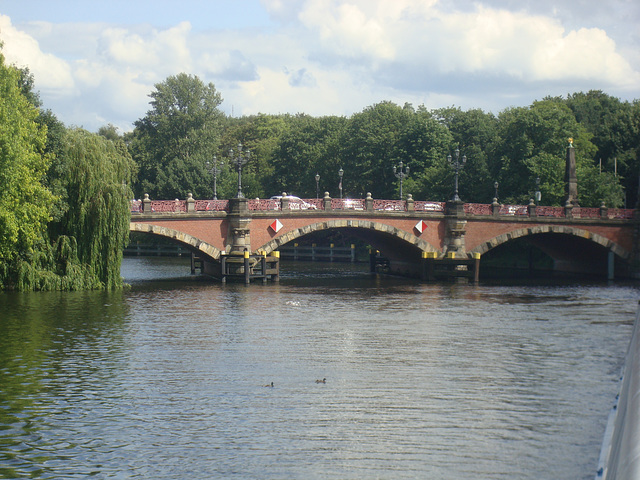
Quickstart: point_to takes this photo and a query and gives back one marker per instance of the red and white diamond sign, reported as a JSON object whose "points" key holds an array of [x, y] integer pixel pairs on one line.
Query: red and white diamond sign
{"points": [[276, 225], [421, 226]]}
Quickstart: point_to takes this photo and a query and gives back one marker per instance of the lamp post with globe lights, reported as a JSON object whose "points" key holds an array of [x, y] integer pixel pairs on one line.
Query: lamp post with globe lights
{"points": [[215, 171], [239, 161], [401, 174], [457, 165]]}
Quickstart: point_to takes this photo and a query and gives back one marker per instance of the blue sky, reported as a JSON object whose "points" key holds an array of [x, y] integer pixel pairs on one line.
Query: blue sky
{"points": [[202, 14], [96, 62]]}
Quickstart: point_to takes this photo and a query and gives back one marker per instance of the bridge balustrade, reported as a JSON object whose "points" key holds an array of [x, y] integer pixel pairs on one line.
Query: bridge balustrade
{"points": [[478, 209], [316, 203], [422, 206], [390, 205], [347, 204], [263, 204], [379, 205], [582, 212], [621, 213], [211, 205], [514, 210], [555, 212], [169, 205]]}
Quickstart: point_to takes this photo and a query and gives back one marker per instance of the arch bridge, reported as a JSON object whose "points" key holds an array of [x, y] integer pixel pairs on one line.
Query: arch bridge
{"points": [[414, 237]]}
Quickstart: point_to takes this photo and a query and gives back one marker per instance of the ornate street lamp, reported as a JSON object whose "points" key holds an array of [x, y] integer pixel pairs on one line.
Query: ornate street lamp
{"points": [[215, 171], [538, 195], [240, 160], [495, 195], [457, 166], [317, 186], [401, 175], [340, 174]]}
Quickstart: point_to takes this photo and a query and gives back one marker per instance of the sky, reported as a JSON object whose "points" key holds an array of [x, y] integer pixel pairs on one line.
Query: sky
{"points": [[95, 62]]}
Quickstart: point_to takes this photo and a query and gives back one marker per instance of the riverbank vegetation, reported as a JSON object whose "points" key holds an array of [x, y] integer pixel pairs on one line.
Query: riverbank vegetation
{"points": [[64, 191], [64, 196]]}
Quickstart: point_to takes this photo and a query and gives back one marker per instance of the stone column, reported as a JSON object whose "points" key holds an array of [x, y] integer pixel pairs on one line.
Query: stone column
{"points": [[570, 179], [604, 211], [456, 224], [410, 204], [284, 201], [239, 239], [327, 201], [495, 207], [368, 202], [568, 209], [146, 204]]}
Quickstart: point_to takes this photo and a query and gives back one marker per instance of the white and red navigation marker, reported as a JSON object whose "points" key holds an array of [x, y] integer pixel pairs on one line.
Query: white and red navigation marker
{"points": [[421, 226], [275, 225]]}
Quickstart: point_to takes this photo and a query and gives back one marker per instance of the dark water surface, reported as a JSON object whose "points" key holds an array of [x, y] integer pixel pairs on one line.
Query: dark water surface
{"points": [[165, 380]]}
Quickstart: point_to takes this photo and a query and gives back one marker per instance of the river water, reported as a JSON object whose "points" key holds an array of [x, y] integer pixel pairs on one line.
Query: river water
{"points": [[166, 380]]}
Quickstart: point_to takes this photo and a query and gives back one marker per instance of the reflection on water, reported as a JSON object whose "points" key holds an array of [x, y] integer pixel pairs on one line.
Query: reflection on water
{"points": [[165, 380]]}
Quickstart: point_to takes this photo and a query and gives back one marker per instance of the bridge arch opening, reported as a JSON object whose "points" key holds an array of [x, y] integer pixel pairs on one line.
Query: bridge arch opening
{"points": [[402, 249], [191, 243], [553, 251]]}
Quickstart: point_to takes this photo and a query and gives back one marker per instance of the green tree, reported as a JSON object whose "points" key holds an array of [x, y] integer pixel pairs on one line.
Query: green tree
{"points": [[25, 202], [260, 135], [533, 145], [615, 134], [369, 149], [176, 138], [96, 178], [475, 134], [423, 145], [310, 147]]}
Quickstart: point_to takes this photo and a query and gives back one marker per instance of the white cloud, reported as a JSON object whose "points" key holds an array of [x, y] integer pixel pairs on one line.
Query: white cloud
{"points": [[163, 50], [329, 57], [346, 28], [417, 38], [53, 75]]}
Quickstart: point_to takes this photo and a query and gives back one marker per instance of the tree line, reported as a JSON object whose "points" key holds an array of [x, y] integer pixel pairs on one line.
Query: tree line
{"points": [[185, 129], [64, 191]]}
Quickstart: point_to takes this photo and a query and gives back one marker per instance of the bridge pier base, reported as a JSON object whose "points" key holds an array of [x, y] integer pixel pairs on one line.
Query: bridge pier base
{"points": [[460, 270], [249, 267]]}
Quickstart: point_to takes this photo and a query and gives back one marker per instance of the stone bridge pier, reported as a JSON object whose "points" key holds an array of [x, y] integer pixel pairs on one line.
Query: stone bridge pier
{"points": [[239, 226], [455, 228]]}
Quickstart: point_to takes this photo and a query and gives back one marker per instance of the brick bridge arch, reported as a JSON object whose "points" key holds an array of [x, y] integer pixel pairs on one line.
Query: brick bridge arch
{"points": [[189, 241], [554, 229], [376, 233]]}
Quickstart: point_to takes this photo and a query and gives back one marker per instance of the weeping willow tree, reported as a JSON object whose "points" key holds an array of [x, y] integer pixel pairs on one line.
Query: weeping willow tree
{"points": [[82, 248], [95, 179], [64, 199]]}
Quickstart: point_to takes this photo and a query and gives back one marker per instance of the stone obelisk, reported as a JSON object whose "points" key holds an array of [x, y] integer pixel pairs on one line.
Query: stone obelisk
{"points": [[570, 179]]}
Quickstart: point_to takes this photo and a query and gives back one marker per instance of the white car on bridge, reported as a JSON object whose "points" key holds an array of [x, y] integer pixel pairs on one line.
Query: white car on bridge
{"points": [[295, 203]]}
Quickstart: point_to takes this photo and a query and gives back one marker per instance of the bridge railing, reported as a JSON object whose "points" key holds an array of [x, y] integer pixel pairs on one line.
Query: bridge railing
{"points": [[171, 206], [211, 205], [377, 205], [421, 206]]}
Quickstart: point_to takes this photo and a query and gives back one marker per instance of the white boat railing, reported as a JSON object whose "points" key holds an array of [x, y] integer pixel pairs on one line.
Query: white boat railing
{"points": [[620, 452]]}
